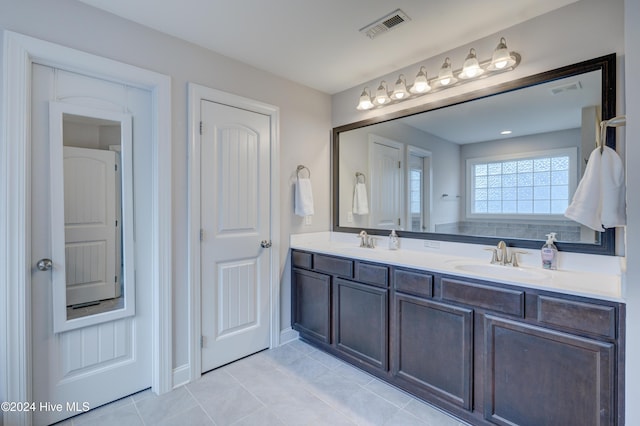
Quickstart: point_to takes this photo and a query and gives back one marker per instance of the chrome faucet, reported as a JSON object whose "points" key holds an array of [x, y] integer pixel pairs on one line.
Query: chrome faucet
{"points": [[367, 241], [502, 253], [501, 256]]}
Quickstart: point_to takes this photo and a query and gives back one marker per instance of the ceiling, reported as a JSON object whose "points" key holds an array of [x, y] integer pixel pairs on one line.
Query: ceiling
{"points": [[318, 43], [542, 108]]}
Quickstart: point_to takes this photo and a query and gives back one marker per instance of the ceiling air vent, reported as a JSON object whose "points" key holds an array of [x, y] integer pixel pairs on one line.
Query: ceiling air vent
{"points": [[385, 24], [571, 87]]}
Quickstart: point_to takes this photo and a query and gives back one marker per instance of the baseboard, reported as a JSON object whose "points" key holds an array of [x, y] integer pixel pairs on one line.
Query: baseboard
{"points": [[287, 335], [181, 375]]}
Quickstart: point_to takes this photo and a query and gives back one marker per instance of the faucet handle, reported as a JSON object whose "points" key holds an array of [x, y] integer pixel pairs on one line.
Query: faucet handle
{"points": [[514, 257], [494, 254]]}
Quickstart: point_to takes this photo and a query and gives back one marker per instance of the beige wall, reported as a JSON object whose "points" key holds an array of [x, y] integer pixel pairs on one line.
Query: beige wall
{"points": [[304, 117]]}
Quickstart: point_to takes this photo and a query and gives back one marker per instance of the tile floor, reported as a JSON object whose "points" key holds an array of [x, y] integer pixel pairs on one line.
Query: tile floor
{"points": [[294, 384]]}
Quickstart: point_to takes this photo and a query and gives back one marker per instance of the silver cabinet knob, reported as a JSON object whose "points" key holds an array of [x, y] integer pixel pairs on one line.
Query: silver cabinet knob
{"points": [[44, 264], [265, 244]]}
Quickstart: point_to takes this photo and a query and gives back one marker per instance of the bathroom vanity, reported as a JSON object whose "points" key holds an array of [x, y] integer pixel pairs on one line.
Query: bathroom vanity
{"points": [[517, 349]]}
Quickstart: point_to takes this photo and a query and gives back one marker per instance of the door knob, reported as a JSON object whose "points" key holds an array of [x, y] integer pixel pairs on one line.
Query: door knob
{"points": [[44, 264], [265, 244]]}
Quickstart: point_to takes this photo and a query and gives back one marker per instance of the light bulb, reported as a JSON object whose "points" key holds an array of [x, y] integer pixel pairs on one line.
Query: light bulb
{"points": [[382, 96], [471, 67], [365, 100], [420, 84], [445, 76], [400, 88], [501, 58]]}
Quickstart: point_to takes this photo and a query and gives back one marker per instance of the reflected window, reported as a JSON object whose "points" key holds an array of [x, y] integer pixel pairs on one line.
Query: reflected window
{"points": [[536, 184]]}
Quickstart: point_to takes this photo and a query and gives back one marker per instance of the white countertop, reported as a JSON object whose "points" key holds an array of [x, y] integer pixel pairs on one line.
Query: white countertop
{"points": [[470, 260]]}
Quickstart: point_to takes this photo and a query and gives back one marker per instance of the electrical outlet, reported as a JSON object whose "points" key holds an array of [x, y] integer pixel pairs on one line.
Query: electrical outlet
{"points": [[432, 244], [307, 220], [350, 217]]}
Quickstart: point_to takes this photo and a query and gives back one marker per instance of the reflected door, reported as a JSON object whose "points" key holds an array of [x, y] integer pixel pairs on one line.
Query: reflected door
{"points": [[91, 223], [100, 357], [385, 169]]}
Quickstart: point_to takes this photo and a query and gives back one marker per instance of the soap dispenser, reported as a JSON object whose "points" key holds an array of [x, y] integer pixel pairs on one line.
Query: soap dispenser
{"points": [[394, 242], [549, 253]]}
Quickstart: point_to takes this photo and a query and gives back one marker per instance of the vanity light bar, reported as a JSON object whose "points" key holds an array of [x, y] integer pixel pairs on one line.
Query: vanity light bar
{"points": [[502, 60]]}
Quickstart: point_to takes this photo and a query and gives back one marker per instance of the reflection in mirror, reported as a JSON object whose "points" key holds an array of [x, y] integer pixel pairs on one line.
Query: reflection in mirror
{"points": [[96, 212], [502, 166]]}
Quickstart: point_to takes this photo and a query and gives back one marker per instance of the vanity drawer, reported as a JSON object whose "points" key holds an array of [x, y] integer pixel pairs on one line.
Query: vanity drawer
{"points": [[578, 316], [413, 282], [333, 265], [491, 298], [301, 259], [372, 274]]}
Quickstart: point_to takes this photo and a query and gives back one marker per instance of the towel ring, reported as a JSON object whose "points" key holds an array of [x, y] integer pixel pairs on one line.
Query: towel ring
{"points": [[618, 121], [361, 175], [300, 168]]}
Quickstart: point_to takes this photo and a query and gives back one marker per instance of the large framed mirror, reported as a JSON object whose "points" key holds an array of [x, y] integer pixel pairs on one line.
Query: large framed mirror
{"points": [[500, 163], [91, 200]]}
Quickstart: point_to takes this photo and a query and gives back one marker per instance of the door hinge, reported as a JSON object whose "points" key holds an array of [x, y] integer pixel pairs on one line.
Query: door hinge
{"points": [[116, 223], [398, 221], [115, 279], [399, 164], [115, 167], [201, 128], [202, 235], [201, 342]]}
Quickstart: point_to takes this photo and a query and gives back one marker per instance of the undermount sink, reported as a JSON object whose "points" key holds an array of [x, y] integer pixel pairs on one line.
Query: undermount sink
{"points": [[500, 271]]}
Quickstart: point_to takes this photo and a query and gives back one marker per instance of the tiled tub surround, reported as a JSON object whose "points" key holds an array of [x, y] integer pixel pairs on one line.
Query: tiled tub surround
{"points": [[546, 347], [566, 230]]}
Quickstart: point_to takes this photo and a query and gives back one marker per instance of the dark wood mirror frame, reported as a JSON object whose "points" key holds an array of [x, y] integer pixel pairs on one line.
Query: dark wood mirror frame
{"points": [[605, 64]]}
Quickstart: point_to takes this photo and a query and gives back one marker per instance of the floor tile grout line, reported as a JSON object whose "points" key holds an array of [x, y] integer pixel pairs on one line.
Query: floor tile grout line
{"points": [[199, 404]]}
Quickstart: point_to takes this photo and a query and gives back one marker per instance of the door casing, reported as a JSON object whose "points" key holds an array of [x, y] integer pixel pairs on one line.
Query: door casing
{"points": [[196, 94], [19, 52]]}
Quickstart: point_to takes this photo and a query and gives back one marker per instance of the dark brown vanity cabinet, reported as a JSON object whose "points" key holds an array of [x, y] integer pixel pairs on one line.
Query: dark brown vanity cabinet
{"points": [[360, 319], [487, 352], [535, 376], [432, 349], [311, 305], [343, 305]]}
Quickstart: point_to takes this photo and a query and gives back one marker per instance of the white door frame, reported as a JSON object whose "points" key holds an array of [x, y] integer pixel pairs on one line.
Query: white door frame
{"points": [[197, 93], [19, 52]]}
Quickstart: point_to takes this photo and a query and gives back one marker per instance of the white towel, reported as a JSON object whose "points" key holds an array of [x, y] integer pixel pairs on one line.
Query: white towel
{"points": [[599, 199], [360, 200], [613, 190], [303, 197]]}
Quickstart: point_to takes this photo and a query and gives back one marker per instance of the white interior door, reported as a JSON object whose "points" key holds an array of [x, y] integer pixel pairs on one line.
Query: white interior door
{"points": [[91, 224], [386, 171], [235, 220], [89, 366]]}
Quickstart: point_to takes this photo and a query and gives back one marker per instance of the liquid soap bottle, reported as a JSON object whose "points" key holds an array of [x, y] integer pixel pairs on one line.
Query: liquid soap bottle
{"points": [[394, 242], [549, 253]]}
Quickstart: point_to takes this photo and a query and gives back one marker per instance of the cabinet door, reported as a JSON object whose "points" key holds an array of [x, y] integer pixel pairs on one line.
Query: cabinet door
{"points": [[361, 322], [433, 348], [311, 304], [535, 376]]}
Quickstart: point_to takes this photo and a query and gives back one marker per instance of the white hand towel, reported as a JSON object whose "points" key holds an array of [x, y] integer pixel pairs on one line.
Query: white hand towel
{"points": [[585, 208], [360, 200], [613, 190], [303, 197]]}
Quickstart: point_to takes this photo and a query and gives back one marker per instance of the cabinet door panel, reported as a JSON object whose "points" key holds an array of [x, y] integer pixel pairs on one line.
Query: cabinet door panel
{"points": [[537, 377], [433, 347], [311, 304], [361, 321]]}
